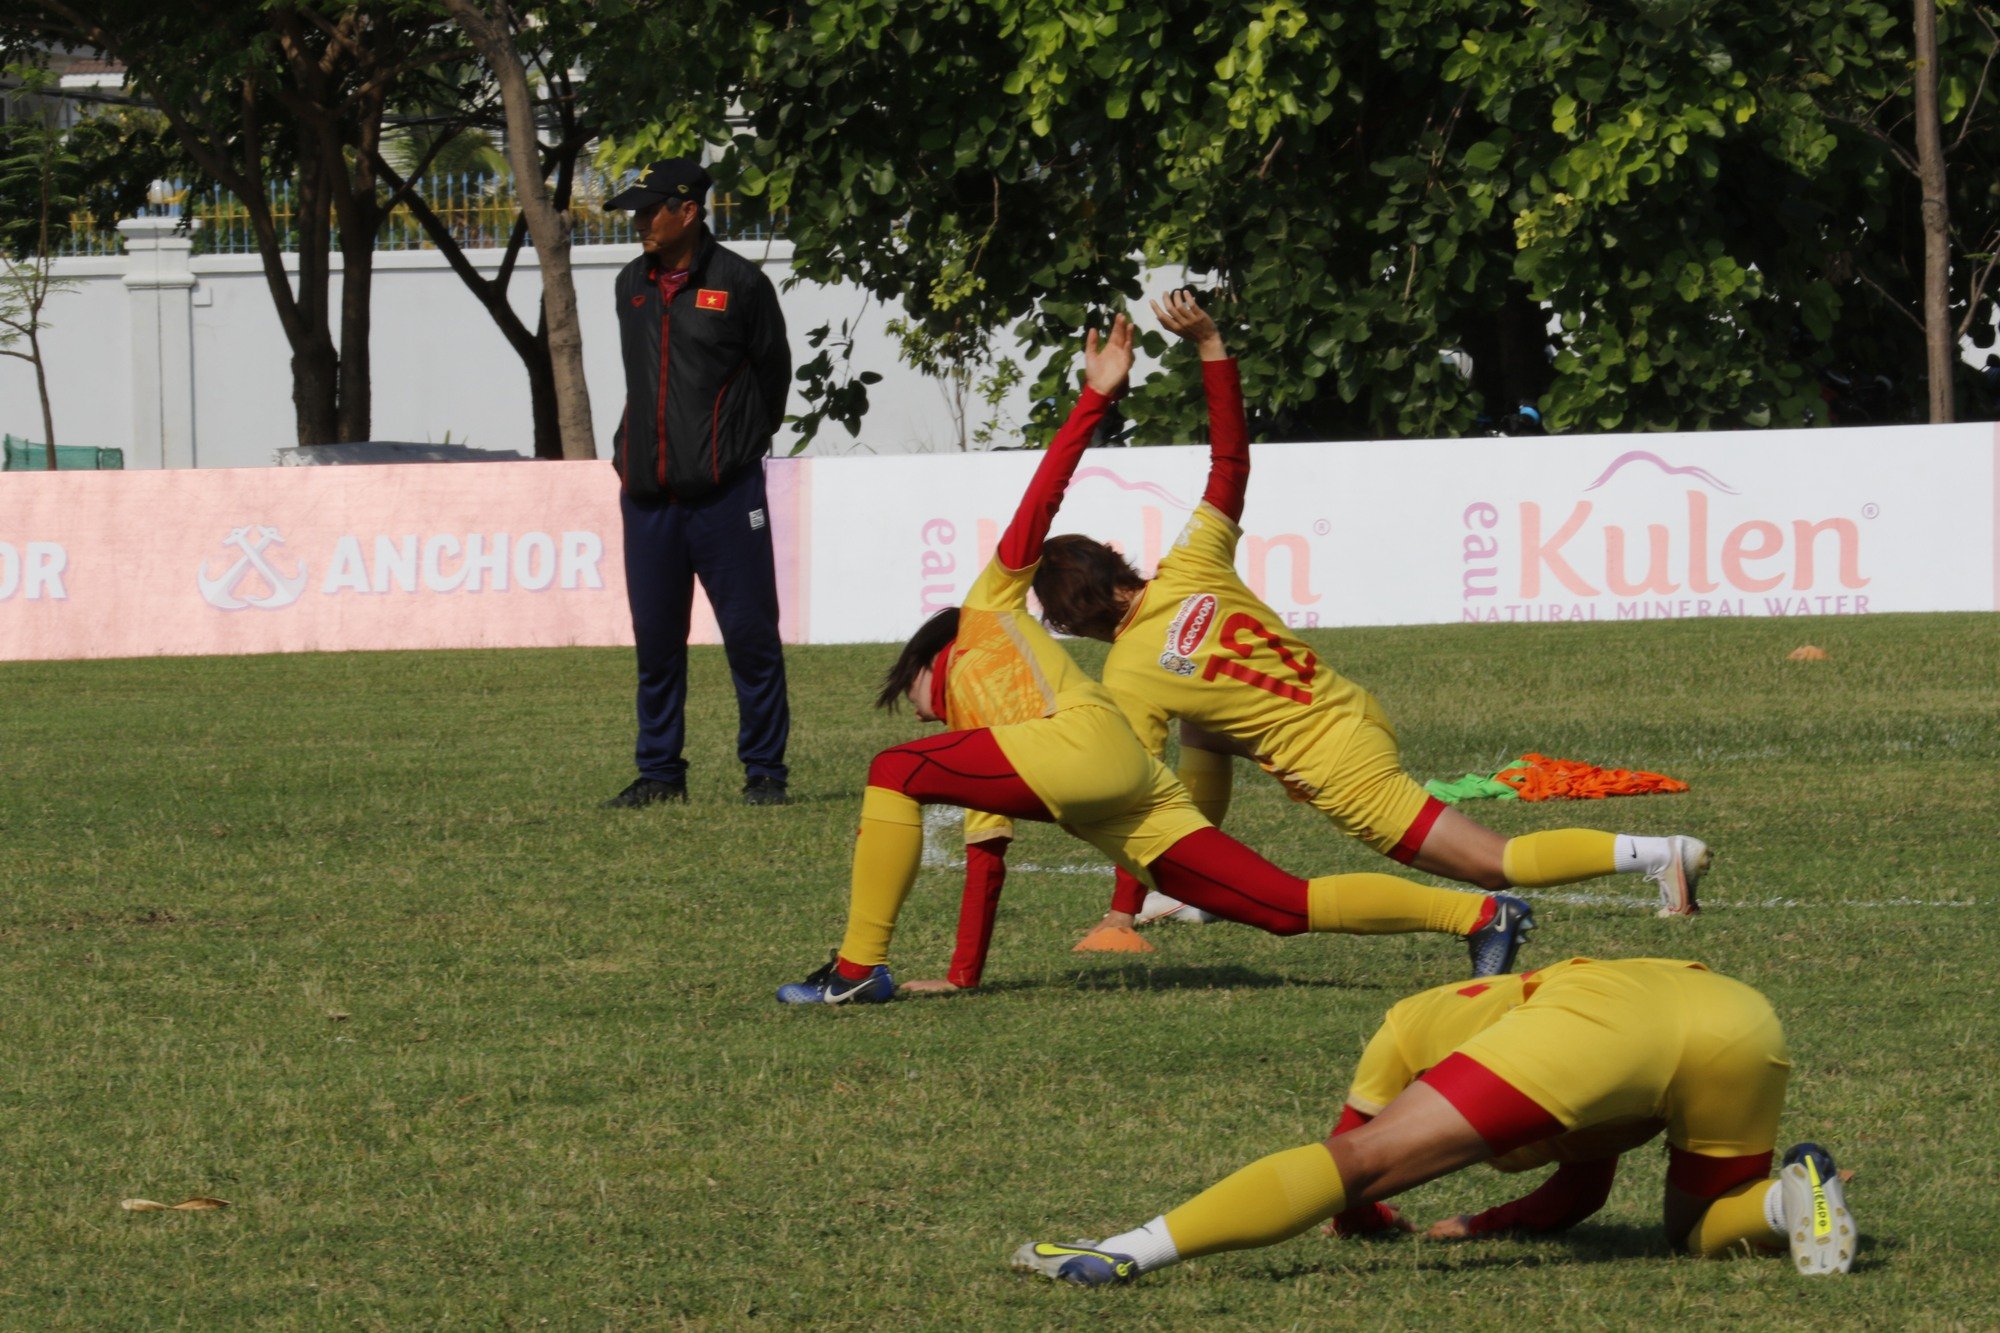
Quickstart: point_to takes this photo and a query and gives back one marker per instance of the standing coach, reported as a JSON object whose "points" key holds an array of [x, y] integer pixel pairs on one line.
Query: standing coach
{"points": [[707, 372]]}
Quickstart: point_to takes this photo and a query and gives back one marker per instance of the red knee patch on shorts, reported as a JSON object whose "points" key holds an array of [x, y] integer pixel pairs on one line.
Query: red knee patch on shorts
{"points": [[1504, 1116], [1419, 829], [1350, 1120], [1713, 1177]]}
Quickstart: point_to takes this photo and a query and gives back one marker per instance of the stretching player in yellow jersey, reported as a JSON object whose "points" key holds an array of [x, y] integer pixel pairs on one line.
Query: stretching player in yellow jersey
{"points": [[1033, 737], [1194, 643], [1573, 1063]]}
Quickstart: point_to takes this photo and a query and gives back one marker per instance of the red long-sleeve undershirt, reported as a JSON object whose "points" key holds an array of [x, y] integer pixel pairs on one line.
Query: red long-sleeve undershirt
{"points": [[1228, 438], [985, 874], [1021, 545], [1574, 1192]]}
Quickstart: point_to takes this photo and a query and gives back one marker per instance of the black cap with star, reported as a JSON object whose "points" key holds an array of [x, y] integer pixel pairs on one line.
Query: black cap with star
{"points": [[674, 181]]}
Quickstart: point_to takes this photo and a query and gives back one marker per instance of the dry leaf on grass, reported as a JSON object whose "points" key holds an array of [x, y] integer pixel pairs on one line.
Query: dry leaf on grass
{"points": [[1806, 652], [197, 1204]]}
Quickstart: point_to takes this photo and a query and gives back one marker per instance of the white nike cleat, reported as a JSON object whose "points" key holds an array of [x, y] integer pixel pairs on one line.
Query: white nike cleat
{"points": [[1677, 877], [1817, 1222], [1159, 907]]}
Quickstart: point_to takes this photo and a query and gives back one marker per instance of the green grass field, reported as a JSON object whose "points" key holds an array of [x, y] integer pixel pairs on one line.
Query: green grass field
{"points": [[346, 940]]}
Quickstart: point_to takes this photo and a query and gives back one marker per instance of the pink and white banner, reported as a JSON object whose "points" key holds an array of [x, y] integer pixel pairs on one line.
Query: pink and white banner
{"points": [[528, 554], [460, 555], [1768, 523]]}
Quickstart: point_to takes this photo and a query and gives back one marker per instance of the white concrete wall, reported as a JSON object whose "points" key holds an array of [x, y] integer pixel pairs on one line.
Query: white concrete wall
{"points": [[441, 368]]}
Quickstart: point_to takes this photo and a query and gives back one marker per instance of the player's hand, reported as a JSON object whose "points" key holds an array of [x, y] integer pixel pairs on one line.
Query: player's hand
{"points": [[1450, 1228], [1179, 313], [1107, 364], [929, 986]]}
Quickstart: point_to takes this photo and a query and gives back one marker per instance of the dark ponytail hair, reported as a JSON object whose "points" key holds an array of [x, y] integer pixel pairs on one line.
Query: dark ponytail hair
{"points": [[1080, 582], [918, 653]]}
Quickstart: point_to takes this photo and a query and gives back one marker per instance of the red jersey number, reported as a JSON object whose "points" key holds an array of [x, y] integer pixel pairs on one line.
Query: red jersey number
{"points": [[1232, 639]]}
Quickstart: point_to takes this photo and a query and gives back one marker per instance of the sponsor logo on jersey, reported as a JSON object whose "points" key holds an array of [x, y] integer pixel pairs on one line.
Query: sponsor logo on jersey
{"points": [[1191, 624], [1180, 666]]}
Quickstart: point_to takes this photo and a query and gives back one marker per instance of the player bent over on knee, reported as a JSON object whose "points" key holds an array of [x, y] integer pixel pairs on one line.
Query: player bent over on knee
{"points": [[1033, 737], [1194, 643], [1573, 1063]]}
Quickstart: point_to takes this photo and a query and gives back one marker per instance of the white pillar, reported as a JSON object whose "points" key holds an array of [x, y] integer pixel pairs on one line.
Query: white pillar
{"points": [[162, 292]]}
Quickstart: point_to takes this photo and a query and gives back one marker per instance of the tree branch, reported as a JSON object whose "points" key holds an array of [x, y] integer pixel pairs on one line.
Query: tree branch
{"points": [[1893, 302]]}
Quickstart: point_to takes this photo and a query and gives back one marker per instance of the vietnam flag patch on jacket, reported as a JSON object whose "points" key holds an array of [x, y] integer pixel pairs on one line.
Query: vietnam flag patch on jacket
{"points": [[710, 299]]}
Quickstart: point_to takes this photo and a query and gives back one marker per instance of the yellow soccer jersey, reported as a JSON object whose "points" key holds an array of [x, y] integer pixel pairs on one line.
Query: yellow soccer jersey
{"points": [[1199, 645], [1005, 667]]}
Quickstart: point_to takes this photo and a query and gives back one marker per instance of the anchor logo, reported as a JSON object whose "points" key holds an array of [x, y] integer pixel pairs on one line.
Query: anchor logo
{"points": [[220, 591]]}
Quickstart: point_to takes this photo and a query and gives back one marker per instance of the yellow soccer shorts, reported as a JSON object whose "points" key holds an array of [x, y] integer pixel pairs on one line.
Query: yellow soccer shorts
{"points": [[1100, 784], [1619, 1043], [1353, 774]]}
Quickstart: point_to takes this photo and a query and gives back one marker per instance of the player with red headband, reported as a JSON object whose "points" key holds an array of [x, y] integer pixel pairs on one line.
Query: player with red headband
{"points": [[1031, 736], [1195, 644], [1572, 1063]]}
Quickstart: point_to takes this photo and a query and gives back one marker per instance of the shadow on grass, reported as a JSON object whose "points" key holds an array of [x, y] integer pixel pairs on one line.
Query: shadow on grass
{"points": [[1611, 1242], [1144, 977]]}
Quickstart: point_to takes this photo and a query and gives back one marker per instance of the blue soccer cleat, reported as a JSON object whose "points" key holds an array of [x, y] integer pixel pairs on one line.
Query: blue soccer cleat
{"points": [[1079, 1264], [1817, 1222], [1494, 944], [827, 986]]}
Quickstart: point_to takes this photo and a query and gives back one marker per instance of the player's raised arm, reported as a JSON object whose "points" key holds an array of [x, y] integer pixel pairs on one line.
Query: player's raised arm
{"points": [[1107, 363], [1228, 434]]}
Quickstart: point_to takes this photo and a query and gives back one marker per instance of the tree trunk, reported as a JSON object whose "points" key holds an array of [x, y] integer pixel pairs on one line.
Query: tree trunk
{"points": [[357, 287], [42, 376], [490, 32], [315, 386], [532, 348], [542, 396], [1940, 346], [315, 359]]}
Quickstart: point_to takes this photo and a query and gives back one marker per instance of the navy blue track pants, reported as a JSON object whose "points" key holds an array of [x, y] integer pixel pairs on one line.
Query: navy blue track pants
{"points": [[725, 541]]}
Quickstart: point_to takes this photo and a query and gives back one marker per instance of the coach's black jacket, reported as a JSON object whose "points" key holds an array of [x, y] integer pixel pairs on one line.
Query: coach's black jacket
{"points": [[709, 372]]}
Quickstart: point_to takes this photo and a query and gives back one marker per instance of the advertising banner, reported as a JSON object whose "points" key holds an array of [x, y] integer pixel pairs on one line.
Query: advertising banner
{"points": [[1774, 523], [329, 559], [528, 554]]}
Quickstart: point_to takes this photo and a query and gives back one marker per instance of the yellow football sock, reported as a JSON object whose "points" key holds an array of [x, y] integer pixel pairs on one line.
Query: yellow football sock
{"points": [[1735, 1220], [1372, 904], [1558, 856], [1268, 1200], [1207, 777], [885, 865]]}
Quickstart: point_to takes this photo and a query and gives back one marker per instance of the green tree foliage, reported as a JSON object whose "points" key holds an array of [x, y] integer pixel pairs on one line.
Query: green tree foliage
{"points": [[38, 179], [1666, 185], [1871, 210]]}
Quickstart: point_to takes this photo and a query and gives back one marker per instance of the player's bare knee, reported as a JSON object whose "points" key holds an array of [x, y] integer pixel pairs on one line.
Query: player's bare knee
{"points": [[1361, 1170]]}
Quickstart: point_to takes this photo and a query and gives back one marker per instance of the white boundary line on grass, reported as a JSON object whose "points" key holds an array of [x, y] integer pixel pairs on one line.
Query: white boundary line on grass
{"points": [[938, 818]]}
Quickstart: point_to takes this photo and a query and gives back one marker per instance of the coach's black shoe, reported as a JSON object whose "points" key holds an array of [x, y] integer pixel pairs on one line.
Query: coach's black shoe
{"points": [[763, 789], [648, 791]]}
